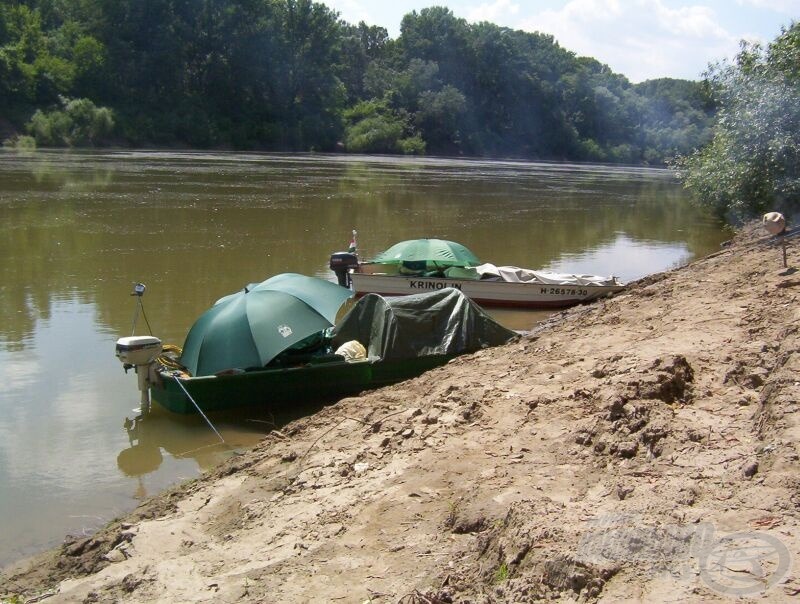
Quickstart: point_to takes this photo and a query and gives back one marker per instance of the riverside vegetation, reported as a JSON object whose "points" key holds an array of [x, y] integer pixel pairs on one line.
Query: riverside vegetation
{"points": [[289, 75]]}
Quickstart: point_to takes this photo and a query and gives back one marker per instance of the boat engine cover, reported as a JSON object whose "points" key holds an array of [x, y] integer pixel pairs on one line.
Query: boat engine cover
{"points": [[138, 350], [343, 261]]}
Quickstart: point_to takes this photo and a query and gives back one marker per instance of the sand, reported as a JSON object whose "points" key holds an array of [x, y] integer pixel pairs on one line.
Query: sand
{"points": [[643, 448]]}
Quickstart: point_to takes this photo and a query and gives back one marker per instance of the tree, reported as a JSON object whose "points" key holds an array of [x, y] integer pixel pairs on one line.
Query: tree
{"points": [[436, 35], [280, 74], [439, 118], [29, 73], [676, 117], [361, 46], [753, 162], [312, 96]]}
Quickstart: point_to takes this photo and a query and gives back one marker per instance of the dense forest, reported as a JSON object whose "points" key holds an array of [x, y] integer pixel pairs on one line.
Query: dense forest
{"points": [[290, 75]]}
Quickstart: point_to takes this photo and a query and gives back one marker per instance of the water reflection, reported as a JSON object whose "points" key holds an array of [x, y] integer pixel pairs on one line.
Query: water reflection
{"points": [[77, 229], [195, 227], [633, 259], [152, 437], [148, 436], [159, 432]]}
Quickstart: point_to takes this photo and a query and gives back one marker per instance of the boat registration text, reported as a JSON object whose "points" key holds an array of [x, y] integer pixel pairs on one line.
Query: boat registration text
{"points": [[432, 284], [563, 291]]}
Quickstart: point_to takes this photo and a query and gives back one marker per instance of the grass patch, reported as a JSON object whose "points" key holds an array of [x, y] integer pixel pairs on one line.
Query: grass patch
{"points": [[501, 574]]}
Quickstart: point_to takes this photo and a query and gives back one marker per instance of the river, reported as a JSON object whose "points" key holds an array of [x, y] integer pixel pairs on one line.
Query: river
{"points": [[79, 229]]}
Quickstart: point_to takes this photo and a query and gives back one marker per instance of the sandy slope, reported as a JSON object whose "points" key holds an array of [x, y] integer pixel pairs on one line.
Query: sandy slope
{"points": [[643, 448]]}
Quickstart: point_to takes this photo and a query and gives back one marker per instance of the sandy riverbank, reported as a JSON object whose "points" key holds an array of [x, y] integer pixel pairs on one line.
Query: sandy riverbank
{"points": [[642, 448]]}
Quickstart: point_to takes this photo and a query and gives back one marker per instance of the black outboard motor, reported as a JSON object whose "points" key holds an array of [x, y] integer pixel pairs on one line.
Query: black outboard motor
{"points": [[341, 263]]}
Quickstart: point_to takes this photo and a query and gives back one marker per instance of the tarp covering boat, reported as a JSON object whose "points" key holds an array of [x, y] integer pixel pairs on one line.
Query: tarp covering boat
{"points": [[444, 322], [514, 274]]}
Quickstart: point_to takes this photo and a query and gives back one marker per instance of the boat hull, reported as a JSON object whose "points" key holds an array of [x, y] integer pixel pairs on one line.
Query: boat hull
{"points": [[484, 292], [273, 388]]}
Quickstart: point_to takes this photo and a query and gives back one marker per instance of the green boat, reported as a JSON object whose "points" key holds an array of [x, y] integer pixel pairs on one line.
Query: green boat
{"points": [[380, 341], [313, 381]]}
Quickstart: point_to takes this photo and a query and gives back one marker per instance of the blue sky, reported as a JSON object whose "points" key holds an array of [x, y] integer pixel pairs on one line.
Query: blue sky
{"points": [[641, 39]]}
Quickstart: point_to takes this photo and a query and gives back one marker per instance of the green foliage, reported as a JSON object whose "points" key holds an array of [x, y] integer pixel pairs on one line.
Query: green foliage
{"points": [[589, 150], [412, 145], [502, 573], [20, 143], [90, 58], [440, 116], [20, 44], [752, 164], [374, 128], [361, 46], [677, 118], [436, 35], [289, 75], [79, 123]]}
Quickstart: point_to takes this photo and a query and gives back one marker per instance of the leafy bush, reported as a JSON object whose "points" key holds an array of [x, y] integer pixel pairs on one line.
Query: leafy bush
{"points": [[373, 127], [376, 134], [79, 123], [20, 143], [589, 150], [413, 145], [752, 164]]}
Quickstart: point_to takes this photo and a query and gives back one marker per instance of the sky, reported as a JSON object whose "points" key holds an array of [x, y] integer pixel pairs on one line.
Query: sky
{"points": [[641, 39]]}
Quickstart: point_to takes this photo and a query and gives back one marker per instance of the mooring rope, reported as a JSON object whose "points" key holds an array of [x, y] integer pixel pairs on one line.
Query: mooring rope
{"points": [[189, 396]]}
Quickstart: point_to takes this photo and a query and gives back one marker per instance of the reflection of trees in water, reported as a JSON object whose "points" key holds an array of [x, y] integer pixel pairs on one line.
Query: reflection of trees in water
{"points": [[53, 176], [526, 220], [48, 171], [194, 236], [36, 243]]}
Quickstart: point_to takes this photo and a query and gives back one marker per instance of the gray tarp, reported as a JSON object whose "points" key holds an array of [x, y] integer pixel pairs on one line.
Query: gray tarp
{"points": [[443, 322], [514, 274]]}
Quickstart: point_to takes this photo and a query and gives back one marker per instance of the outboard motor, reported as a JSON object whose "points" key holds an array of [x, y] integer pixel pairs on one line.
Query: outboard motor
{"points": [[341, 263], [140, 353]]}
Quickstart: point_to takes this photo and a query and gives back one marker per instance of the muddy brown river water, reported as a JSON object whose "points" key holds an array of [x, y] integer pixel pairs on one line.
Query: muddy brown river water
{"points": [[78, 229]]}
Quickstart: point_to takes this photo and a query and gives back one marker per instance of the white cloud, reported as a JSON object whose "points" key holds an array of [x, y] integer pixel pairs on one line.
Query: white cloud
{"points": [[690, 21], [18, 373], [788, 7], [352, 11], [641, 39], [493, 12]]}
